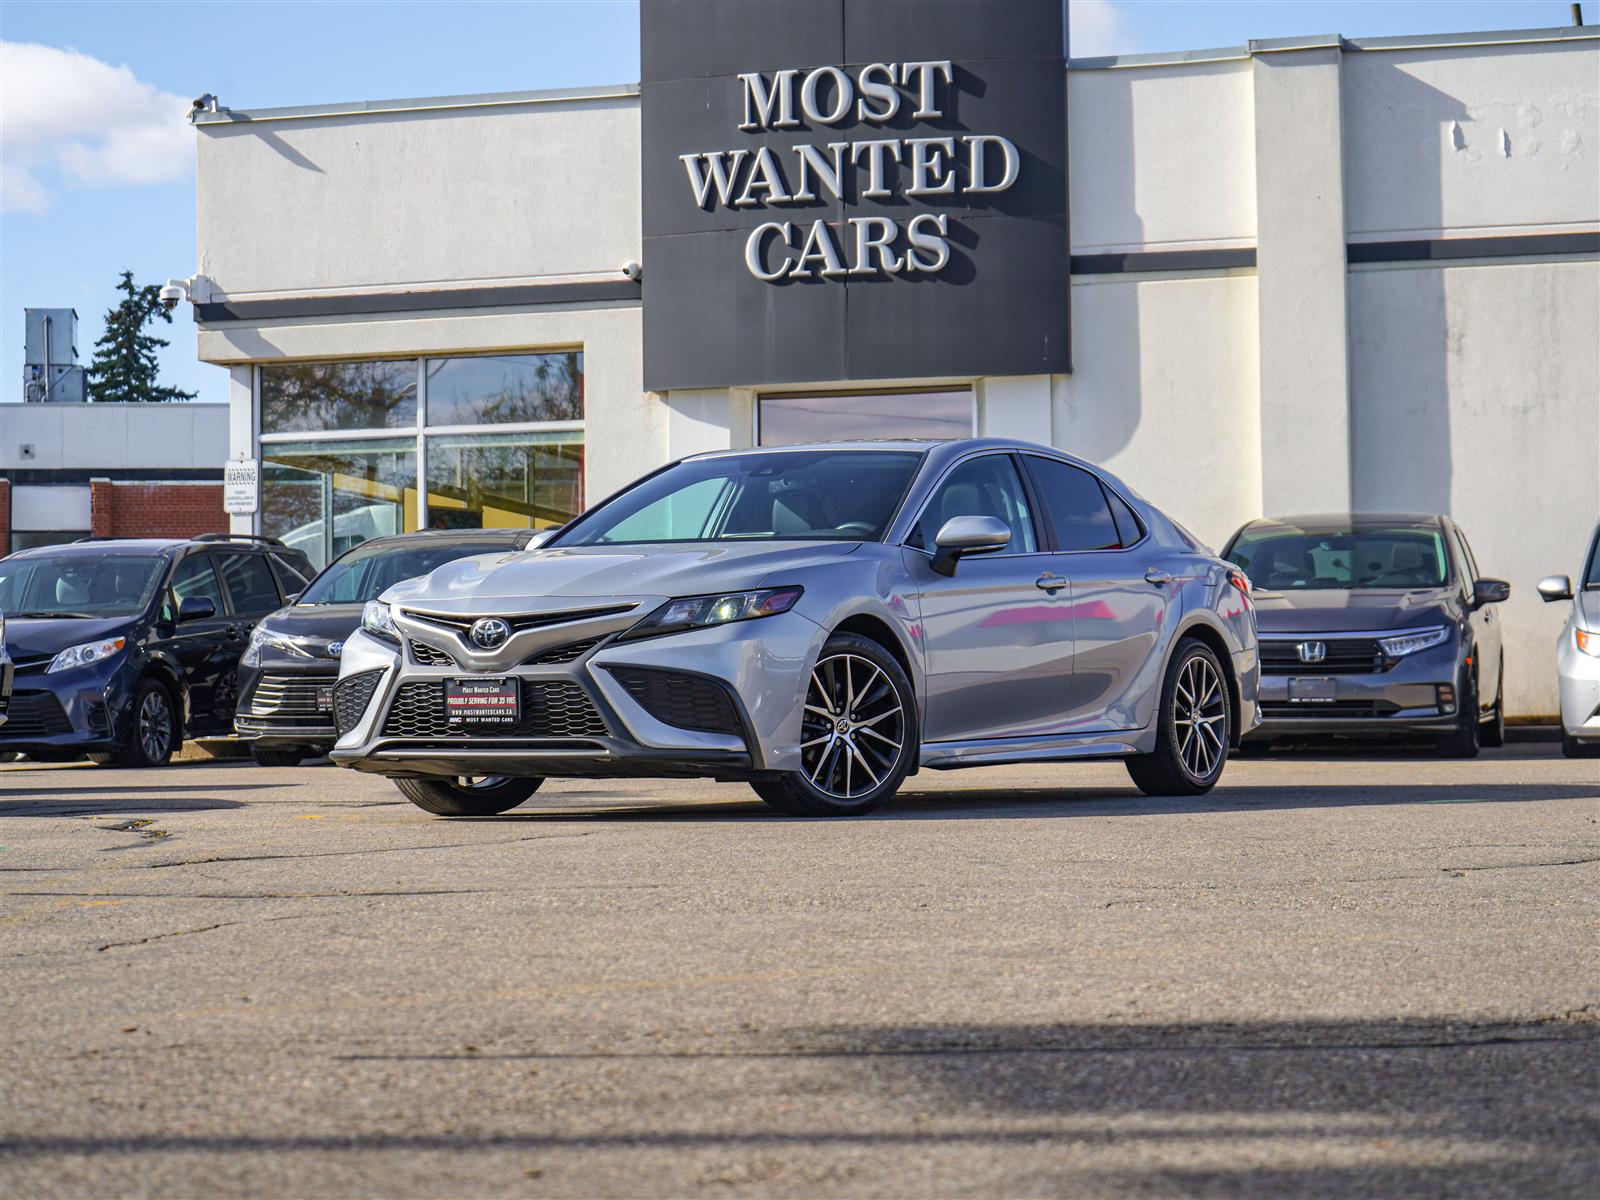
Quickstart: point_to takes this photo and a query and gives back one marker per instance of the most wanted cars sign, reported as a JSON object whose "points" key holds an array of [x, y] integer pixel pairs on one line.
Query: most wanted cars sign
{"points": [[853, 189]]}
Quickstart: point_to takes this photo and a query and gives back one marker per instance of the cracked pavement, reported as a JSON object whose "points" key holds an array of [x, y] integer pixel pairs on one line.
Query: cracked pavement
{"points": [[1334, 975]]}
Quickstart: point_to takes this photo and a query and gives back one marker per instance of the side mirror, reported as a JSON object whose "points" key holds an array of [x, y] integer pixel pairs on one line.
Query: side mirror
{"points": [[292, 597], [196, 608], [1490, 591], [1555, 587], [967, 535], [540, 538]]}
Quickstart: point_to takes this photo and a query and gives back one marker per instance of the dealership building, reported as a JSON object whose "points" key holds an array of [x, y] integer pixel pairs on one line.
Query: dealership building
{"points": [[1296, 276]]}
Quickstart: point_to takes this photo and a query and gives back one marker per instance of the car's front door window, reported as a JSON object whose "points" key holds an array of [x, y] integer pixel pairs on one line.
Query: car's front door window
{"points": [[980, 487], [195, 577]]}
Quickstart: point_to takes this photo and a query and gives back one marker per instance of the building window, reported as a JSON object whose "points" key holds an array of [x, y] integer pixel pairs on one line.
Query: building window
{"points": [[497, 439], [787, 418]]}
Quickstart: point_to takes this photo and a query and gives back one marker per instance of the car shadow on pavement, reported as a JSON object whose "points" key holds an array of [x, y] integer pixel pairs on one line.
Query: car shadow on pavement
{"points": [[79, 801]]}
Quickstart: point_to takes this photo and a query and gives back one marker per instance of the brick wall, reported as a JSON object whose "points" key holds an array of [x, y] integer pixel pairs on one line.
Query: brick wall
{"points": [[155, 509]]}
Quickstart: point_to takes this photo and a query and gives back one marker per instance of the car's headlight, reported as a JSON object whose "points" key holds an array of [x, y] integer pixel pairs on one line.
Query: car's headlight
{"points": [[82, 656], [1588, 642], [262, 639], [699, 612], [377, 620], [1418, 639]]}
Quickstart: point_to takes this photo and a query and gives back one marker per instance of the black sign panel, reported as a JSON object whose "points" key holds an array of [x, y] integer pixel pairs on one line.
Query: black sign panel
{"points": [[853, 189]]}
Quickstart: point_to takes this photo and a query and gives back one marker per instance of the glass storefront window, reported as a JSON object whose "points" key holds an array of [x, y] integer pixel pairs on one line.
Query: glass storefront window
{"points": [[504, 480], [506, 388], [311, 397], [787, 419], [325, 496]]}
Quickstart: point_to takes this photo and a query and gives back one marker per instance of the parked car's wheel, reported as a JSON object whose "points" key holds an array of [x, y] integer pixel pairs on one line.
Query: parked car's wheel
{"points": [[858, 734], [1571, 747], [1493, 731], [155, 729], [275, 757], [1463, 741], [1193, 727], [468, 796]]}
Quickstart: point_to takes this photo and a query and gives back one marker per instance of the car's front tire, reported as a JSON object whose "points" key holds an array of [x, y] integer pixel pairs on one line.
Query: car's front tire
{"points": [[264, 757], [1464, 741], [858, 734], [467, 797], [1192, 730], [155, 734]]}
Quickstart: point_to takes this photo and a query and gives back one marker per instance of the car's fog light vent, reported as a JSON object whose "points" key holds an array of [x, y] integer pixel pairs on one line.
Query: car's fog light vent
{"points": [[677, 698], [351, 697], [429, 656]]}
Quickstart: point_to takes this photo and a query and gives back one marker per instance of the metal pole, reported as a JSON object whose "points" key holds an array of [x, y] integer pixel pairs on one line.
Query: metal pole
{"points": [[1577, 14]]}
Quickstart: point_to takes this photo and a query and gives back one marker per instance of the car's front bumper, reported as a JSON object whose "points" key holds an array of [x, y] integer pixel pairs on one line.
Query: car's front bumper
{"points": [[1579, 678], [68, 713], [1416, 695], [761, 666], [279, 705]]}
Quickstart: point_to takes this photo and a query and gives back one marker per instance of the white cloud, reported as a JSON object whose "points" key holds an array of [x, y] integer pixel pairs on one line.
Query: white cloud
{"points": [[1099, 27], [68, 117]]}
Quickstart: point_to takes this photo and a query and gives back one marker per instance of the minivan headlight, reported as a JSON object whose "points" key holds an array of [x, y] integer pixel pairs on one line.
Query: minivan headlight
{"points": [[1588, 642], [1418, 639], [700, 612], [263, 639], [83, 655], [376, 619]]}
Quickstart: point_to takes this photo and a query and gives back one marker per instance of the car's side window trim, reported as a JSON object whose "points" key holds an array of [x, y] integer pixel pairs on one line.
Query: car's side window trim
{"points": [[1036, 518], [1106, 488]]}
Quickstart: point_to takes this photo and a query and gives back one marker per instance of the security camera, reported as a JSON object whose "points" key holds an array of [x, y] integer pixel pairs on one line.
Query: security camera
{"points": [[632, 270], [173, 292]]}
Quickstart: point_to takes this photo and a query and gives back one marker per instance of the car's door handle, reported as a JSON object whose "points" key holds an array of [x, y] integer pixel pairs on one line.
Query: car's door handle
{"points": [[1050, 583], [1157, 576]]}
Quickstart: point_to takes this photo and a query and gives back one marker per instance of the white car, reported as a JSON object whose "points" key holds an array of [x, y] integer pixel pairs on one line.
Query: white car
{"points": [[1578, 655]]}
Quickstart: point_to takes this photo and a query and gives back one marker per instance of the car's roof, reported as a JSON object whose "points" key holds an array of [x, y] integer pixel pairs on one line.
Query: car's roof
{"points": [[449, 535], [942, 446], [100, 548], [1334, 522]]}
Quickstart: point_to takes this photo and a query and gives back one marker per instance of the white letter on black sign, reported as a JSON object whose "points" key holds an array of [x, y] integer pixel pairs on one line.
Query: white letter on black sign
{"points": [[762, 101], [934, 245], [819, 247], [883, 92], [764, 176], [754, 250], [827, 173], [976, 181], [925, 159], [723, 173], [925, 71], [843, 94], [876, 151], [876, 242]]}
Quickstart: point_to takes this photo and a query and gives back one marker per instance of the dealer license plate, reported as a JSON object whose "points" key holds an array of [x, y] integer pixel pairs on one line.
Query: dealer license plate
{"points": [[481, 702], [325, 698], [1312, 691]]}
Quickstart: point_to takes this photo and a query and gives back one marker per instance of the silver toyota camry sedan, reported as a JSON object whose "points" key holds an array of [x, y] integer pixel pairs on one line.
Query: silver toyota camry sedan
{"points": [[819, 621]]}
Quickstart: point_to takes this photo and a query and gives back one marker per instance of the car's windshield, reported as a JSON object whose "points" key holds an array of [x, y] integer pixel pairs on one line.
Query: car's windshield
{"points": [[810, 495], [79, 585], [1591, 573], [365, 572], [1276, 558]]}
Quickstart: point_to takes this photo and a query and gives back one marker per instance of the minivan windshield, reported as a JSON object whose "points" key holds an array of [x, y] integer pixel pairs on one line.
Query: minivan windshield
{"points": [[362, 574], [804, 495], [1280, 559], [79, 585]]}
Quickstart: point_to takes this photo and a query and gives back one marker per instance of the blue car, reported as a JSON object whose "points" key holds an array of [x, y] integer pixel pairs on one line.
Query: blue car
{"points": [[123, 648]]}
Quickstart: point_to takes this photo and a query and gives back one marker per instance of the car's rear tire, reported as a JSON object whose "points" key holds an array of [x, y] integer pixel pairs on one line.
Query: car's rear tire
{"points": [[1492, 732], [485, 797], [859, 719], [265, 757], [1193, 727], [155, 734], [1464, 741]]}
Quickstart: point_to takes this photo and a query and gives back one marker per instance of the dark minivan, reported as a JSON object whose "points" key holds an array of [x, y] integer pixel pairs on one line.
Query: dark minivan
{"points": [[1374, 623], [287, 673], [122, 648]]}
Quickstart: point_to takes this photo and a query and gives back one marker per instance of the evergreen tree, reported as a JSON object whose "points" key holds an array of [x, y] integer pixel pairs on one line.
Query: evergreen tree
{"points": [[124, 368]]}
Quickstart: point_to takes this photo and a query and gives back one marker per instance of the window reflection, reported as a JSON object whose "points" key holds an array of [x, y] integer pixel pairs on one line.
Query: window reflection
{"points": [[297, 397], [500, 389], [788, 419], [504, 480], [324, 497]]}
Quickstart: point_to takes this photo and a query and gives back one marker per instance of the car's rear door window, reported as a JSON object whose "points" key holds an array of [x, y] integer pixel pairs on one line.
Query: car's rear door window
{"points": [[249, 581], [1077, 506]]}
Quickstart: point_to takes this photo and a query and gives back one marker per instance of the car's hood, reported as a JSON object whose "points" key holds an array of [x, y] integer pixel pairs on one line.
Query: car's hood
{"points": [[1338, 610], [313, 627], [534, 580], [33, 637]]}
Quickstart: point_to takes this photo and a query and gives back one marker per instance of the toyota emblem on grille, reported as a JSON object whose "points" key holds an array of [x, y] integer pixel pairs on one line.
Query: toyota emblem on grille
{"points": [[489, 633], [1313, 652], [335, 649]]}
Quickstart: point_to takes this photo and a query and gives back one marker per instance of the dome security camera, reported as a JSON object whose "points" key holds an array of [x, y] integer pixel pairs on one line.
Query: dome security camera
{"points": [[632, 270], [171, 294]]}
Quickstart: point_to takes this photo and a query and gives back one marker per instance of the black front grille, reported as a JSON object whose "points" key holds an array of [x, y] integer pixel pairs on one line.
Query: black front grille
{"points": [[35, 714], [551, 708], [1342, 656], [678, 698], [289, 695], [1328, 710], [571, 652], [430, 656], [351, 697]]}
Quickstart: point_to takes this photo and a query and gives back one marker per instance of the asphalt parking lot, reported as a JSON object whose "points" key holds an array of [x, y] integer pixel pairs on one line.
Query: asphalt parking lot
{"points": [[1333, 976]]}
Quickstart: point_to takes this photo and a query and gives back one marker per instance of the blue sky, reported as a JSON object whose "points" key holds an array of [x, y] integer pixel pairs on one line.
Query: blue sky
{"points": [[98, 177]]}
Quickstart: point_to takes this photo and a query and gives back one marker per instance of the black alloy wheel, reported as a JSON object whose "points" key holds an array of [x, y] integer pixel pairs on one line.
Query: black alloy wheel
{"points": [[468, 795], [857, 734], [1192, 729], [155, 734]]}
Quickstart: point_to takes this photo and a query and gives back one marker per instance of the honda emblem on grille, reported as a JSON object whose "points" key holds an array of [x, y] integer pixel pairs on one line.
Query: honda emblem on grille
{"points": [[1313, 652], [489, 633]]}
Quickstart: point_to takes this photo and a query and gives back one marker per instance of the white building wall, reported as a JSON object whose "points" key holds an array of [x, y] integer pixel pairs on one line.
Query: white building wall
{"points": [[113, 436]]}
